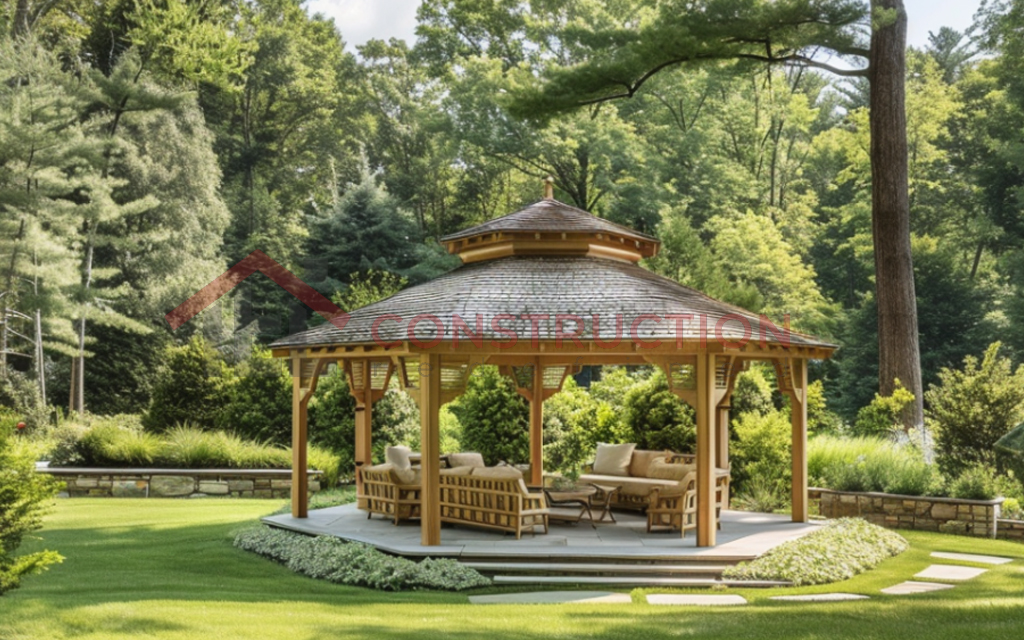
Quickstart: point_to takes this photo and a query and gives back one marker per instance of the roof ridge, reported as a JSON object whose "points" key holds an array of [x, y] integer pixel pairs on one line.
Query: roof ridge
{"points": [[556, 205]]}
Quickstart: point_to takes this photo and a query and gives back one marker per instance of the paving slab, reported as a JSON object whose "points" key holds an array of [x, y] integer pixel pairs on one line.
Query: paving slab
{"points": [[554, 597], [821, 597], [949, 572], [911, 587], [695, 600], [970, 557]]}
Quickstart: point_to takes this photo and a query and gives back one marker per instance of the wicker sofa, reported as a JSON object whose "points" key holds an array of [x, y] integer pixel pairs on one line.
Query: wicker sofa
{"points": [[493, 498], [645, 472]]}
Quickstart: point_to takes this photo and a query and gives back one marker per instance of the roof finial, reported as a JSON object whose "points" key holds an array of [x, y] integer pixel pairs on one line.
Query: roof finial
{"points": [[549, 188]]}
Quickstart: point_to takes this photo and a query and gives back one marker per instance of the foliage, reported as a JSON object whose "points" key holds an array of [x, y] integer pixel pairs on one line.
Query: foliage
{"points": [[977, 482], [753, 392], [870, 464], [352, 563], [760, 495], [368, 287], [21, 395], [494, 417], [191, 386], [24, 498], [570, 438], [838, 550], [657, 418], [259, 400], [761, 454], [883, 416], [971, 408]]}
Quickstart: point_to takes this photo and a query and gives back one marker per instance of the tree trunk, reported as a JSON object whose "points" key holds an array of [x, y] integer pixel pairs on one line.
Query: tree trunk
{"points": [[899, 356]]}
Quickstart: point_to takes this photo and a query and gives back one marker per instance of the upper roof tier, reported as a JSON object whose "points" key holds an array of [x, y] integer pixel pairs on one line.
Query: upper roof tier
{"points": [[550, 228]]}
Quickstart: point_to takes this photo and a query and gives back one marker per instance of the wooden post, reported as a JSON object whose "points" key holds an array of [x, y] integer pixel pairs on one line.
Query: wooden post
{"points": [[722, 438], [798, 406], [300, 475], [537, 426], [364, 437], [706, 409], [430, 449]]}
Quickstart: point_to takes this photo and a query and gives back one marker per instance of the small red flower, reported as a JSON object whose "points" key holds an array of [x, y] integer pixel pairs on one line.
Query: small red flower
{"points": [[20, 426]]}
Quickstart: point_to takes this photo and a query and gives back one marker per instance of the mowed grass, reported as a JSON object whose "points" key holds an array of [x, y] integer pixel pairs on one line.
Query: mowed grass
{"points": [[166, 569]]}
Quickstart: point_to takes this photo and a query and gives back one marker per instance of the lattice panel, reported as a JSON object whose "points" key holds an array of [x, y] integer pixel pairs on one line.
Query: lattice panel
{"points": [[553, 377], [356, 374], [682, 377], [379, 375], [412, 372], [523, 376], [722, 371], [453, 377]]}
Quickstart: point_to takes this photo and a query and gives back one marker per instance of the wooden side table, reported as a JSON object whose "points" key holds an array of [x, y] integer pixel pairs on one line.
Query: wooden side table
{"points": [[571, 505], [603, 499]]}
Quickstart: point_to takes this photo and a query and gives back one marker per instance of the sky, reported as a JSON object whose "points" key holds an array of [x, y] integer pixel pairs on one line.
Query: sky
{"points": [[362, 20]]}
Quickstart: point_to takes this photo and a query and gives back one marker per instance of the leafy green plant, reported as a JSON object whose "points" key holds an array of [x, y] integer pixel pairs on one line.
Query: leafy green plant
{"points": [[970, 409], [192, 385], [839, 550], [762, 450], [870, 464], [753, 391], [883, 414], [495, 419], [332, 559], [657, 418], [977, 482], [259, 403], [761, 495]]}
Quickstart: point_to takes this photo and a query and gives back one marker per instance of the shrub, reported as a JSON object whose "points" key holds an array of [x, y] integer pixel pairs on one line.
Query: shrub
{"points": [[327, 558], [260, 400], [109, 444], [762, 449], [884, 414], [977, 482], [839, 550], [657, 418], [1012, 509], [569, 418], [761, 495], [23, 497], [191, 387], [969, 410], [21, 395], [753, 391], [494, 417], [870, 464]]}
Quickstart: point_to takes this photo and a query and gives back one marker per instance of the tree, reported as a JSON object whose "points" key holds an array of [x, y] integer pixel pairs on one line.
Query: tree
{"points": [[618, 60], [495, 419], [191, 387], [24, 495], [259, 400]]}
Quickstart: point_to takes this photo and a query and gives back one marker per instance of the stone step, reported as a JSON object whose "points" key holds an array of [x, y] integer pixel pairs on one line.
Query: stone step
{"points": [[605, 567], [639, 581]]}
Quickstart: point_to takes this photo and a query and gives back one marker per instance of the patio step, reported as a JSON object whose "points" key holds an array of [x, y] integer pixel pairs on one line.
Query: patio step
{"points": [[639, 581], [563, 568]]}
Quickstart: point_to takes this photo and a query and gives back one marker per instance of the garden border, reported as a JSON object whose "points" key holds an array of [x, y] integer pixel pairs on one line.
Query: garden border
{"points": [[113, 482], [923, 513]]}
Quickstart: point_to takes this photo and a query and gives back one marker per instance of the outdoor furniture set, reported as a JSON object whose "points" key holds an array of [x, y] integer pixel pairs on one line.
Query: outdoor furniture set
{"points": [[662, 483]]}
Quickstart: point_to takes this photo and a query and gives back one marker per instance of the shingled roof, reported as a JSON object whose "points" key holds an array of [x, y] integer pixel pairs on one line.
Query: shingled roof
{"points": [[546, 216], [518, 285]]}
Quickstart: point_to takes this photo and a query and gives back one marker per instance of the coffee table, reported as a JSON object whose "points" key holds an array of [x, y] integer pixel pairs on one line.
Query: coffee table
{"points": [[571, 504]]}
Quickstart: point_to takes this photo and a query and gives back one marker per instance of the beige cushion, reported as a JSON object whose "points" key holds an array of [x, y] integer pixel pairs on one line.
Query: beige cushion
{"points": [[457, 471], [613, 459], [498, 472], [411, 476], [663, 470], [380, 467], [641, 460], [466, 460], [398, 456]]}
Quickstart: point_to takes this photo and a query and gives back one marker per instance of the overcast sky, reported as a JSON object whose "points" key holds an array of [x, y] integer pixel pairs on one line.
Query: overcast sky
{"points": [[361, 20]]}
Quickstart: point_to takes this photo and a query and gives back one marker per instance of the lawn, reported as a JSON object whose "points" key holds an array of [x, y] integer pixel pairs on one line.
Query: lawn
{"points": [[166, 569]]}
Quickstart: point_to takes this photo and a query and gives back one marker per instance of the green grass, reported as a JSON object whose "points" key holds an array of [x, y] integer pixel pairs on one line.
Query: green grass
{"points": [[166, 569]]}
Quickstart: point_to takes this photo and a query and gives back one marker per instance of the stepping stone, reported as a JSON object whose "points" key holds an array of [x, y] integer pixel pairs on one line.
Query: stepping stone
{"points": [[949, 572], [821, 597], [695, 600], [970, 557], [910, 587], [554, 597]]}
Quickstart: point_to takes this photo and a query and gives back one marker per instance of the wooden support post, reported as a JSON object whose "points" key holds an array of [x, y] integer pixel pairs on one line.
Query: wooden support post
{"points": [[364, 437], [798, 406], [537, 426], [722, 438], [430, 449], [300, 476], [706, 413]]}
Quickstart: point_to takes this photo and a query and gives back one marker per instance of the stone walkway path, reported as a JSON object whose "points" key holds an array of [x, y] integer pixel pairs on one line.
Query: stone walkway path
{"points": [[946, 572]]}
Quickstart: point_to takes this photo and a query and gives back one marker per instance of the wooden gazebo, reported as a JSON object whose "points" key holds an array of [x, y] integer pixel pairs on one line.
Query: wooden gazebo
{"points": [[541, 292]]}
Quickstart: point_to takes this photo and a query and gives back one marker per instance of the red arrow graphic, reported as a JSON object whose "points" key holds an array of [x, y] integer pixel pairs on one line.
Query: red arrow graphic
{"points": [[256, 261]]}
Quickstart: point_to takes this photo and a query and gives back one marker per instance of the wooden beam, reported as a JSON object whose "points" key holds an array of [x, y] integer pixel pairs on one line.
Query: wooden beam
{"points": [[430, 449], [537, 426], [707, 525], [798, 409], [301, 393]]}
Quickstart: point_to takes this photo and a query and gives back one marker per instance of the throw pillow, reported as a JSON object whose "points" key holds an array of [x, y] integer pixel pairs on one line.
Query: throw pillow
{"points": [[660, 469], [613, 459], [398, 456], [465, 460]]}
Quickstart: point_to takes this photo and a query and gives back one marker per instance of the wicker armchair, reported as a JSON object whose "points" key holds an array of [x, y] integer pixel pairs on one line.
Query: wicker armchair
{"points": [[386, 495], [674, 507]]}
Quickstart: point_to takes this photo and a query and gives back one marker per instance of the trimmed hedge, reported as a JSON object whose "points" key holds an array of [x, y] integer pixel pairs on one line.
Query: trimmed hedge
{"points": [[352, 563], [838, 551]]}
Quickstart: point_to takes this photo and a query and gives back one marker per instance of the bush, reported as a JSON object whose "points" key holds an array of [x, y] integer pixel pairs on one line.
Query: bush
{"points": [[761, 453], [495, 418], [870, 464], [21, 395], [884, 414], [975, 483], [839, 550], [569, 418], [969, 410], [260, 400], [753, 391], [1012, 509], [192, 386], [657, 418], [332, 559], [23, 497]]}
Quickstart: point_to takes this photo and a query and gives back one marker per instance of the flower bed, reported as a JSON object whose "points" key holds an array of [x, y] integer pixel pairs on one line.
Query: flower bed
{"points": [[923, 513]]}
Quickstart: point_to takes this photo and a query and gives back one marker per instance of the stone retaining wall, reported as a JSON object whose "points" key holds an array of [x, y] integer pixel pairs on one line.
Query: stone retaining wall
{"points": [[179, 483], [948, 515], [1010, 529]]}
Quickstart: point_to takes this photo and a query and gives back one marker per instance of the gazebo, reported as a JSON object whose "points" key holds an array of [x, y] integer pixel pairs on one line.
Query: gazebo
{"points": [[542, 292]]}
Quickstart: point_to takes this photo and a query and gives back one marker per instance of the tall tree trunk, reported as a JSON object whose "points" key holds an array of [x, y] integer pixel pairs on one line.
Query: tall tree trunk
{"points": [[899, 356]]}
